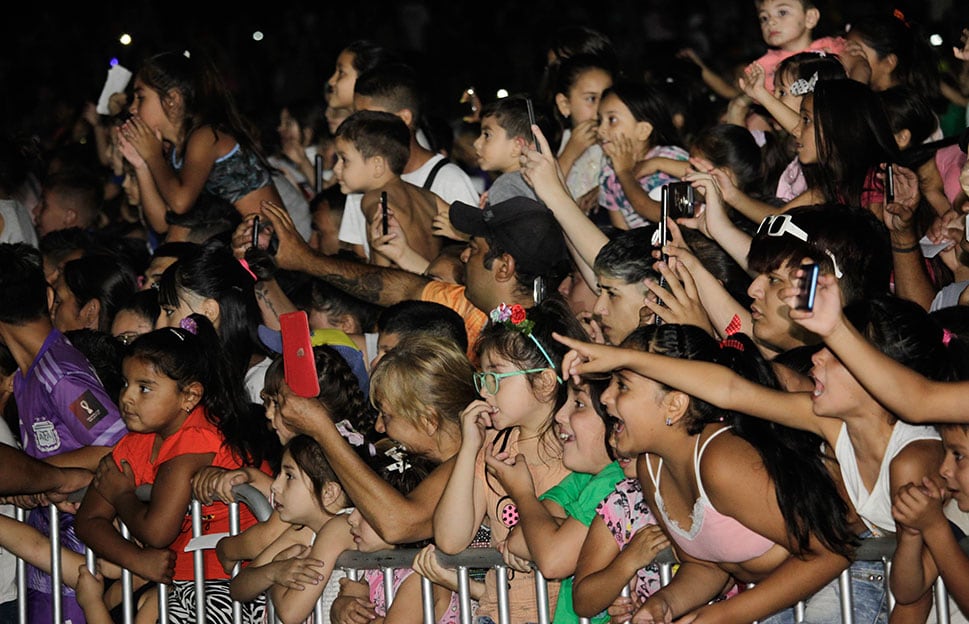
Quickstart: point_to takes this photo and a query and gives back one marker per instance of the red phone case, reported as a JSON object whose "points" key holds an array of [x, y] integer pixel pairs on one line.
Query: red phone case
{"points": [[299, 366]]}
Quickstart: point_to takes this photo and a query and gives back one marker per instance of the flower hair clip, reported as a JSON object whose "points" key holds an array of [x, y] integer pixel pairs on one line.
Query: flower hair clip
{"points": [[802, 86], [400, 464], [514, 317]]}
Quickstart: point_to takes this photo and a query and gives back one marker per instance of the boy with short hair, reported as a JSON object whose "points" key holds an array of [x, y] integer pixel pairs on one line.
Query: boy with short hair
{"points": [[505, 133], [372, 149], [394, 88]]}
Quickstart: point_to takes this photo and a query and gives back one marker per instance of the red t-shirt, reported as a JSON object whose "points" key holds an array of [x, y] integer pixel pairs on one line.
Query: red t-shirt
{"points": [[197, 435]]}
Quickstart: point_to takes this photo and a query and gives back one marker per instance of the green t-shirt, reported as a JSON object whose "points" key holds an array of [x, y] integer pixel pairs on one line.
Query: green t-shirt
{"points": [[579, 494]]}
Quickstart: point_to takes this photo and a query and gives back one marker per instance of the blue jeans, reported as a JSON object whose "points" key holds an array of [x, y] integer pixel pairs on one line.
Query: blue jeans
{"points": [[869, 599]]}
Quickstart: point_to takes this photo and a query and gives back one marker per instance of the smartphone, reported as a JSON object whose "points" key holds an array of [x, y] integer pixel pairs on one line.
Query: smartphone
{"points": [[299, 365], [682, 200], [808, 287], [255, 231], [889, 183], [318, 164], [385, 225], [664, 234], [531, 122]]}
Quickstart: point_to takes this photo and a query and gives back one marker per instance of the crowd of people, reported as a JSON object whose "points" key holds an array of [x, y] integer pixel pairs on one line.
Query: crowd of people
{"points": [[722, 314]]}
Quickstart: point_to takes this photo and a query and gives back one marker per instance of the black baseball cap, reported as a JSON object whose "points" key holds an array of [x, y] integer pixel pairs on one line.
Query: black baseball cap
{"points": [[520, 226]]}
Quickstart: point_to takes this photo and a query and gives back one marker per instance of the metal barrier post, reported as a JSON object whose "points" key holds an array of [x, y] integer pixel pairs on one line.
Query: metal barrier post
{"points": [[56, 580], [464, 594], [541, 597], [504, 607], [888, 585], [388, 578], [163, 603], [20, 515], [127, 600], [844, 584], [941, 602], [199, 563], [427, 600], [234, 530]]}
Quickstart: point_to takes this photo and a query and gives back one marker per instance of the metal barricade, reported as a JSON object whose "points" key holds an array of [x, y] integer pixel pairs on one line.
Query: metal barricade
{"points": [[874, 549]]}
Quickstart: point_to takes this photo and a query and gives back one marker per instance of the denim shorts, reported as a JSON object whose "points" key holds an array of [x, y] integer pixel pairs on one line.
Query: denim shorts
{"points": [[869, 599]]}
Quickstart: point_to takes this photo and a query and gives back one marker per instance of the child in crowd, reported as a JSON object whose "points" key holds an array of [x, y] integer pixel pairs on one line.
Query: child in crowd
{"points": [[404, 473], [372, 149], [505, 134], [634, 124], [553, 526], [89, 292], [743, 500], [182, 415], [358, 57], [297, 568], [137, 315], [579, 83], [796, 76], [300, 124], [186, 135], [521, 391]]}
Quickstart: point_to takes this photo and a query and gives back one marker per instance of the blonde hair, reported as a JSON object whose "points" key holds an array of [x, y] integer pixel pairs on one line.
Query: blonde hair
{"points": [[423, 376]]}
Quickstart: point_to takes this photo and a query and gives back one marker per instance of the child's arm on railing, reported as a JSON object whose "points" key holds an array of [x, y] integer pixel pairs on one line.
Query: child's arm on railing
{"points": [[94, 523], [247, 545], [158, 522], [294, 604], [923, 536], [32, 546], [603, 570], [90, 595]]}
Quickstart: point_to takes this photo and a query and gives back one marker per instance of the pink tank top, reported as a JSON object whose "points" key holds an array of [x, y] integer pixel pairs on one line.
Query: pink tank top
{"points": [[713, 536]]}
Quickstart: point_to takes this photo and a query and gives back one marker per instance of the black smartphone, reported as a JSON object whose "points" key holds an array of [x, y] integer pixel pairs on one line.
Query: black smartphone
{"points": [[318, 163], [385, 226], [682, 201], [889, 183], [807, 287], [531, 122], [255, 232], [663, 227]]}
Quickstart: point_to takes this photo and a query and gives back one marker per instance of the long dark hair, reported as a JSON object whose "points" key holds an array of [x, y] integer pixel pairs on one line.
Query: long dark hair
{"points": [[196, 356], [211, 271], [101, 277], [853, 138], [207, 99], [806, 494], [648, 103]]}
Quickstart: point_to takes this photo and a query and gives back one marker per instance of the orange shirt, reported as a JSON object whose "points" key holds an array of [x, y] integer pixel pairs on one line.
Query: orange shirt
{"points": [[452, 296], [197, 435]]}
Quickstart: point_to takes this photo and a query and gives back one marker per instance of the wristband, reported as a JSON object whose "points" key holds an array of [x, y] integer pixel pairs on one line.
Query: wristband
{"points": [[914, 247]]}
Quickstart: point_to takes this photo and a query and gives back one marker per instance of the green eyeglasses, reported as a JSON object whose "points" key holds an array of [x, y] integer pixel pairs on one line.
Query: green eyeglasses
{"points": [[490, 381]]}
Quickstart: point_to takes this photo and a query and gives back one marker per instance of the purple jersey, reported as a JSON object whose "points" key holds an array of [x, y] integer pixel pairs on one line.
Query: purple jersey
{"points": [[63, 407], [62, 404]]}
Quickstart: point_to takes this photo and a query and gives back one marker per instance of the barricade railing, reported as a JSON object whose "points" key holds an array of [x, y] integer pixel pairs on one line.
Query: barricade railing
{"points": [[872, 549]]}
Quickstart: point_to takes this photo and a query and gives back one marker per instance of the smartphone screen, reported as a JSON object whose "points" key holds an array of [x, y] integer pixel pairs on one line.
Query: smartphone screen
{"points": [[531, 122], [384, 225], [808, 287], [682, 201], [255, 232], [299, 365]]}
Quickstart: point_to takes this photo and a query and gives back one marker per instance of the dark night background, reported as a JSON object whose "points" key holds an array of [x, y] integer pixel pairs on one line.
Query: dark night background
{"points": [[55, 57]]}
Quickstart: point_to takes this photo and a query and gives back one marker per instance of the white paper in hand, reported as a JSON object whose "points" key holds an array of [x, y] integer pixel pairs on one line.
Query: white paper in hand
{"points": [[116, 82]]}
